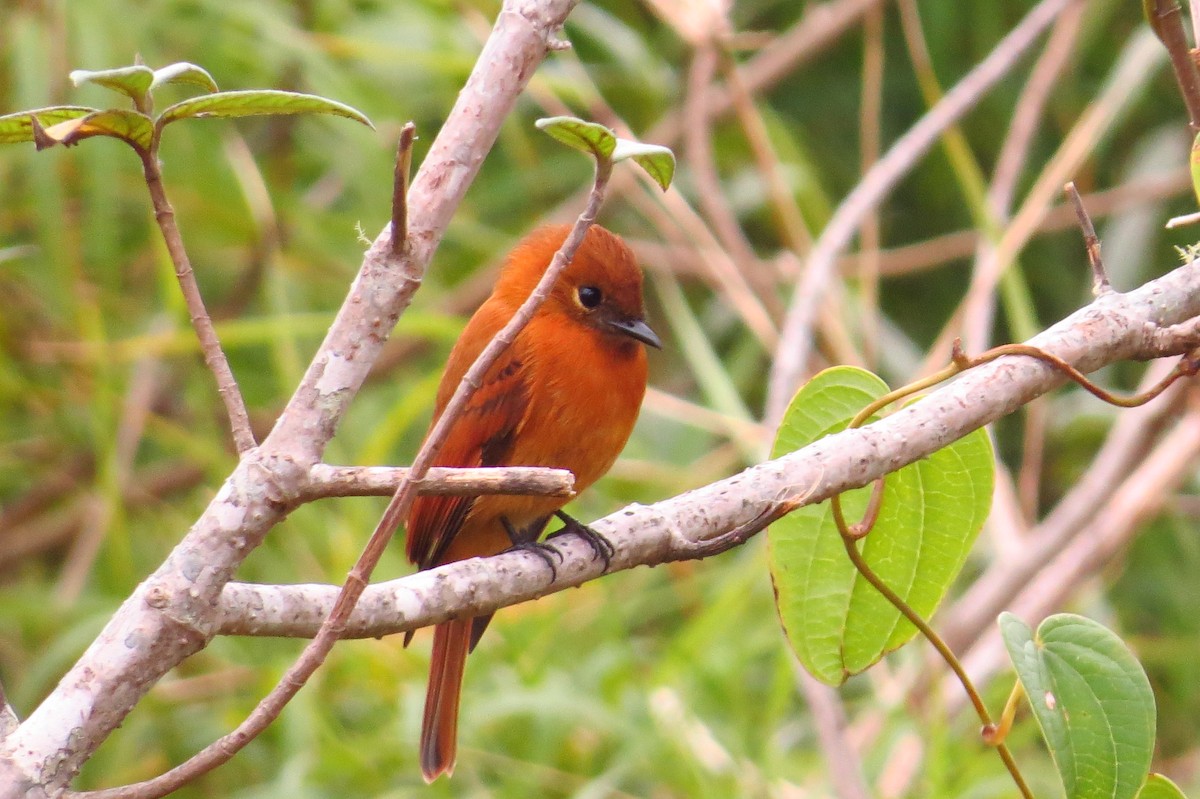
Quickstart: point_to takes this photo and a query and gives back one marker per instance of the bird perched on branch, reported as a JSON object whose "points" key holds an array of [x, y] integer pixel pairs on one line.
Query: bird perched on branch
{"points": [[564, 394]]}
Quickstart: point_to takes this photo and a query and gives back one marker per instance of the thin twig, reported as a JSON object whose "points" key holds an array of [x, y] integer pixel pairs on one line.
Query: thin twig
{"points": [[408, 134], [1183, 220], [698, 139], [793, 229], [1100, 284], [210, 345], [870, 133]]}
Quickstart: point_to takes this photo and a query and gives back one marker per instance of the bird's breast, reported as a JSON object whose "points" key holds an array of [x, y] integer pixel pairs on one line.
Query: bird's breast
{"points": [[586, 388]]}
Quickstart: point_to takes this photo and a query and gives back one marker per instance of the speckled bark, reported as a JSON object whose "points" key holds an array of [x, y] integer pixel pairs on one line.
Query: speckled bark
{"points": [[1139, 325]]}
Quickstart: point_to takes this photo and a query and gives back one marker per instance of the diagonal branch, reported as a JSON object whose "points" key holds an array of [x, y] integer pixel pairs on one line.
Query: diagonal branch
{"points": [[1113, 328], [331, 628], [171, 615]]}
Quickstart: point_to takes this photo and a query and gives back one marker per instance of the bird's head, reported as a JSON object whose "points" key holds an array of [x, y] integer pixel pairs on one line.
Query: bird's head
{"points": [[601, 287]]}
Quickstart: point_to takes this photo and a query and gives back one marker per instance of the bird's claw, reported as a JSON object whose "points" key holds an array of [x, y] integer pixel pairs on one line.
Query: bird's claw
{"points": [[602, 548], [547, 552]]}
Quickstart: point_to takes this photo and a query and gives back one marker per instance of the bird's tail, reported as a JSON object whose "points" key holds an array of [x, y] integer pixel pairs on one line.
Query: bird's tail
{"points": [[439, 730]]}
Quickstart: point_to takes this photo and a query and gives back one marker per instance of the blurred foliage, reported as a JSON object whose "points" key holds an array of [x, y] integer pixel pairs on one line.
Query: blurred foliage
{"points": [[672, 682]]}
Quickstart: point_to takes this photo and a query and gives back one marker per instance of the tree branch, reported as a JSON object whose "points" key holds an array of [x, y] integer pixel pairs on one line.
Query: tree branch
{"points": [[1113, 328], [325, 481], [171, 615]]}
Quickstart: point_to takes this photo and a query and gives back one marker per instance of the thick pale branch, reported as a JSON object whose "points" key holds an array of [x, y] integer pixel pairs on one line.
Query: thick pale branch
{"points": [[1115, 327], [171, 615]]}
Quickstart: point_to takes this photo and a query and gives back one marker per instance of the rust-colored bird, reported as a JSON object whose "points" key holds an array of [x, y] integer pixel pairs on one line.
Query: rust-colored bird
{"points": [[565, 394]]}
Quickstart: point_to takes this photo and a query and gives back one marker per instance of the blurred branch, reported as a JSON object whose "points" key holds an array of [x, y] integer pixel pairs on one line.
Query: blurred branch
{"points": [[973, 613], [1139, 58], [940, 250], [795, 342], [1117, 519], [711, 196], [1166, 20]]}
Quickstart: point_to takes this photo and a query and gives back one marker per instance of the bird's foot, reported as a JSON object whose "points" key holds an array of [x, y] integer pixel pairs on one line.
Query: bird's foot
{"points": [[547, 552], [602, 548], [520, 543]]}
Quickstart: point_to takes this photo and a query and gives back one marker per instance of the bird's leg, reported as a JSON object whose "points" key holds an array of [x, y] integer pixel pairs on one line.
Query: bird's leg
{"points": [[522, 542], [601, 546]]}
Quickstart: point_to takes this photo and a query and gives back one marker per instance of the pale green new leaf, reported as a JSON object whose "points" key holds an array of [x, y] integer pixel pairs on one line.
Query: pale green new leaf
{"points": [[587, 137], [658, 161], [133, 81], [258, 102], [183, 72], [932, 511], [1092, 700]]}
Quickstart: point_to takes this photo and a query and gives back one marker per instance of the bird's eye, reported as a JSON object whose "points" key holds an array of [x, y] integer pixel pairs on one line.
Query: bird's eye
{"points": [[590, 296]]}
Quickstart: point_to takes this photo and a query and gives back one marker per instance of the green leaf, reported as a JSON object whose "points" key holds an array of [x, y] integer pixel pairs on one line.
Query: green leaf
{"points": [[932, 511], [1159, 787], [129, 126], [16, 128], [658, 161], [183, 72], [258, 102], [1092, 700], [134, 81], [588, 137]]}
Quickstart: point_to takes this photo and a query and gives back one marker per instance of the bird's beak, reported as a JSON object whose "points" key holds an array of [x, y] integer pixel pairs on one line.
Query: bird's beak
{"points": [[636, 329]]}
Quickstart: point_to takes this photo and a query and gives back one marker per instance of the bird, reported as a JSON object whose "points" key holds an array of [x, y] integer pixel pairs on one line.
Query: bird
{"points": [[565, 394]]}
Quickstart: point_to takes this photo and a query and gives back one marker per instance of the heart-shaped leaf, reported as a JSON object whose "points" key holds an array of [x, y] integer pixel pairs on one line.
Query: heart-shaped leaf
{"points": [[932, 511], [17, 128], [258, 102], [134, 81], [1092, 700], [183, 72]]}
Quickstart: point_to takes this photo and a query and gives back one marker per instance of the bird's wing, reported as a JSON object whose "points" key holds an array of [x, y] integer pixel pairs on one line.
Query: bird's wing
{"points": [[482, 436]]}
